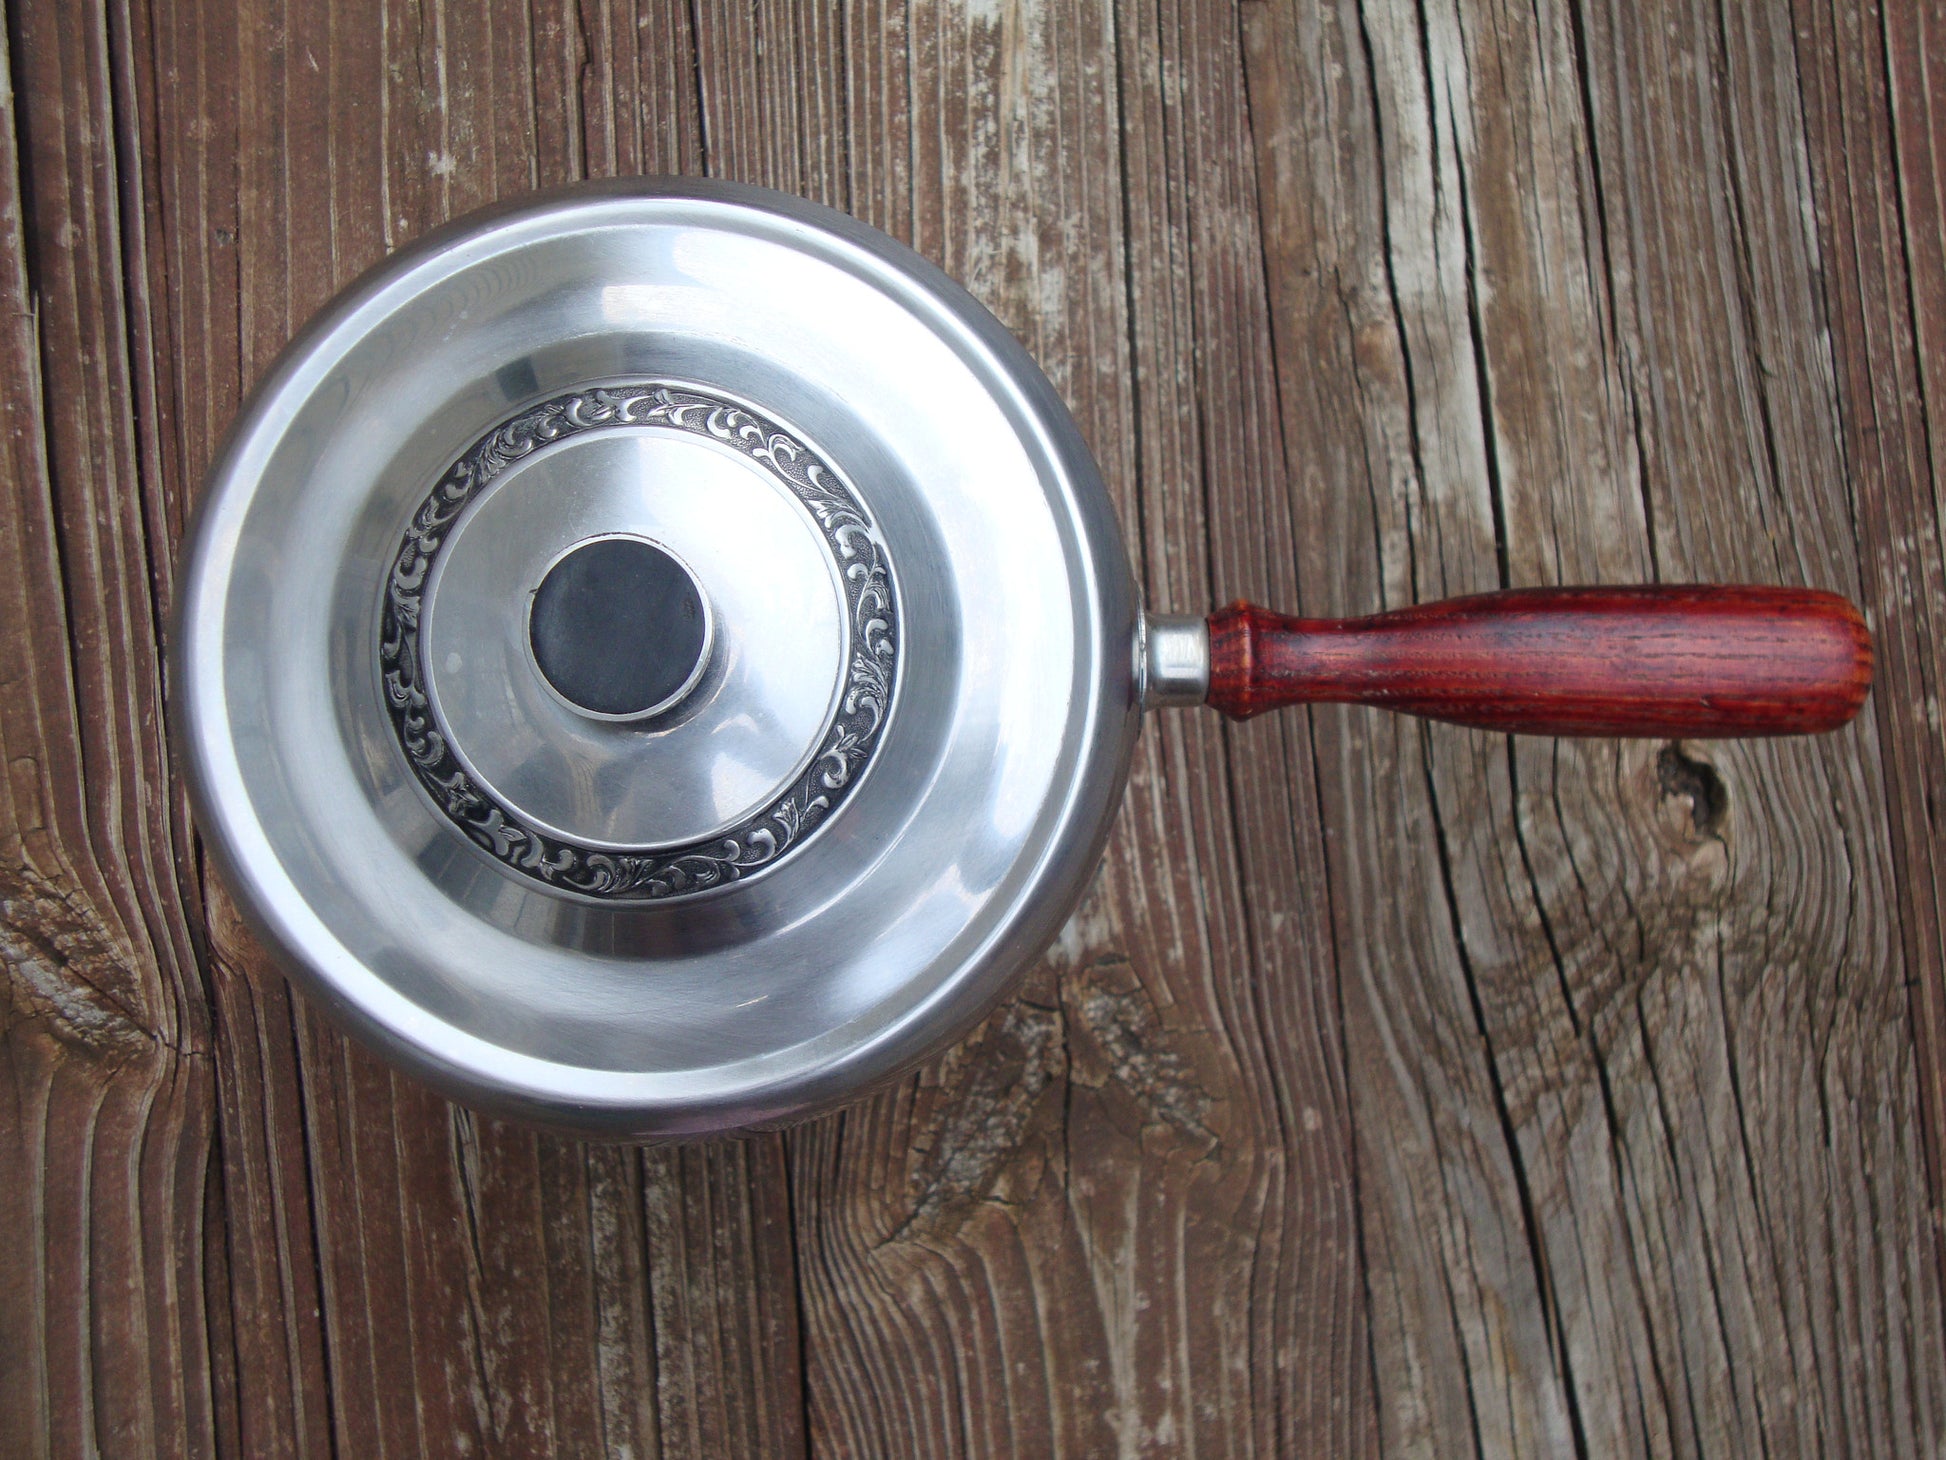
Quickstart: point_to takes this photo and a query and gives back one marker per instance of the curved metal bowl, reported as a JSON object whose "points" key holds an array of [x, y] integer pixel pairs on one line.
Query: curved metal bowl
{"points": [[950, 866]]}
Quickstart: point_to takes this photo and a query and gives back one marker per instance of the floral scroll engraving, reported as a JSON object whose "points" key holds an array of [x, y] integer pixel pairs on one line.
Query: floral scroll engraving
{"points": [[845, 745]]}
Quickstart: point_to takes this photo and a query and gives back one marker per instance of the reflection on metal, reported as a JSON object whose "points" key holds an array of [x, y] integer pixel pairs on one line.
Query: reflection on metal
{"points": [[851, 733], [1175, 659]]}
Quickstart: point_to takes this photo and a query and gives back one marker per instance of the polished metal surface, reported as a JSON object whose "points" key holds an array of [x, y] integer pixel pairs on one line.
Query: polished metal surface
{"points": [[953, 860], [782, 717], [1175, 659]]}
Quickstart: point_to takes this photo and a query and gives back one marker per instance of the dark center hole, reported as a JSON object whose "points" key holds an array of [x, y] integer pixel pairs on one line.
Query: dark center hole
{"points": [[1696, 781], [617, 626]]}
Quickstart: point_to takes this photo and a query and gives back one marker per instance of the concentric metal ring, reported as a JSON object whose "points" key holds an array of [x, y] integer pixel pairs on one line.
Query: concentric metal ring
{"points": [[777, 829]]}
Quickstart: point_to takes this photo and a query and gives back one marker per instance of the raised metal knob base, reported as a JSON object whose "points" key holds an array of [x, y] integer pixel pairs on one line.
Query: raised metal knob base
{"points": [[619, 628]]}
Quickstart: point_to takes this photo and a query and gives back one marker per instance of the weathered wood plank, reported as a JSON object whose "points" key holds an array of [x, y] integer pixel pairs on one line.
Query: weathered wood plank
{"points": [[1875, 119], [204, 85], [718, 1223], [1338, 138], [376, 1232], [1823, 1160], [1306, 1346], [1642, 1072], [104, 1173], [278, 1401], [1120, 1217]]}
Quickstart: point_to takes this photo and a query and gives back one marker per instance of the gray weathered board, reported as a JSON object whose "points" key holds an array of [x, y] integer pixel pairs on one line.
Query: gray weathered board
{"points": [[1397, 1090]]}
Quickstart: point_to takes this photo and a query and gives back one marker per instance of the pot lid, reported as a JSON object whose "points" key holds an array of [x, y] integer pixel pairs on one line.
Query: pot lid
{"points": [[639, 642], [656, 657]]}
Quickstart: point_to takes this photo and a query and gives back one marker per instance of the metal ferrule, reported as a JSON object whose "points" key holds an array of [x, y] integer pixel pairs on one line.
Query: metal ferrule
{"points": [[1175, 659]]}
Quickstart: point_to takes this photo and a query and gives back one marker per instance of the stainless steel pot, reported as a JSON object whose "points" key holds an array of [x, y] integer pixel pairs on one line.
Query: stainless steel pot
{"points": [[658, 658]]}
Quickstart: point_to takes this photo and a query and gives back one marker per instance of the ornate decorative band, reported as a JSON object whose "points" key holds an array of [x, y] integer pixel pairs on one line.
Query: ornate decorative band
{"points": [[775, 829]]}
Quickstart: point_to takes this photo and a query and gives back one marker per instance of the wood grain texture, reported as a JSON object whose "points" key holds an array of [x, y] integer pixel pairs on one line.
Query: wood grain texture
{"points": [[1397, 1089], [1655, 660], [1877, 148], [1614, 1099], [105, 1172]]}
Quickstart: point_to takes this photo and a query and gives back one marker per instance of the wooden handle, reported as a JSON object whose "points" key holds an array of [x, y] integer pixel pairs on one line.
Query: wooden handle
{"points": [[1691, 662]]}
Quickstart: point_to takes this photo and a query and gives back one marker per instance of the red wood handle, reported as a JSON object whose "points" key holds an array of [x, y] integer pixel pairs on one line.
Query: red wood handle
{"points": [[1677, 661]]}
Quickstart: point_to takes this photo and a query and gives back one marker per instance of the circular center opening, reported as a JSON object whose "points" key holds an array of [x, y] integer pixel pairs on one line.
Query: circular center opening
{"points": [[618, 628]]}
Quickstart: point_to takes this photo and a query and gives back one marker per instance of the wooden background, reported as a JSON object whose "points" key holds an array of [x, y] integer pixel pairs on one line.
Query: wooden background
{"points": [[1397, 1090]]}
